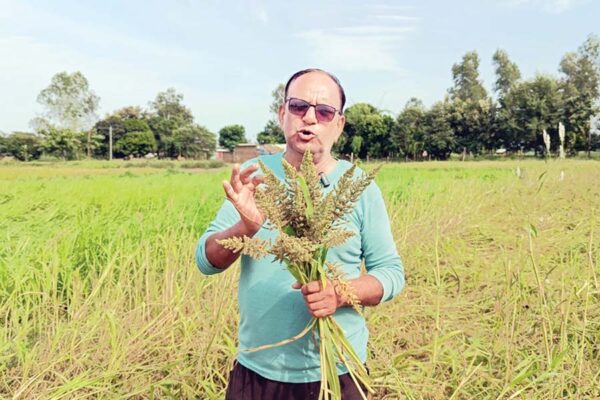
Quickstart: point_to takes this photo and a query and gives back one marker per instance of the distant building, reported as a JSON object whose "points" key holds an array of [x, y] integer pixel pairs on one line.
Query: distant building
{"points": [[245, 151], [224, 155]]}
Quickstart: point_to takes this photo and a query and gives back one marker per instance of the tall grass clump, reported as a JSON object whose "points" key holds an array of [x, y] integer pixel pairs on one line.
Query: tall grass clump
{"points": [[99, 296]]}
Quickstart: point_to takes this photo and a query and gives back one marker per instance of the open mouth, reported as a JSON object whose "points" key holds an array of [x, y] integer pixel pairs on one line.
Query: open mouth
{"points": [[306, 134]]}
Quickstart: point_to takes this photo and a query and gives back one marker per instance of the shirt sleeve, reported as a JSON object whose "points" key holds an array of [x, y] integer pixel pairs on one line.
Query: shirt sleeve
{"points": [[378, 247], [226, 217]]}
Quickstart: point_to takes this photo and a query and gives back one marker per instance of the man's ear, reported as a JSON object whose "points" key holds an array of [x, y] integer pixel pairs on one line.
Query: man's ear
{"points": [[341, 122], [280, 115]]}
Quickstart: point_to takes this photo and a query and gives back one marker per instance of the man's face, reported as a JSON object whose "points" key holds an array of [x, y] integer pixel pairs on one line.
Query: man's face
{"points": [[302, 132]]}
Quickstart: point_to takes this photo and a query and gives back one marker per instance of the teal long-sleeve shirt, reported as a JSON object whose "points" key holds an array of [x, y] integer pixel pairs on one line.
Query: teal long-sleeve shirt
{"points": [[271, 311]]}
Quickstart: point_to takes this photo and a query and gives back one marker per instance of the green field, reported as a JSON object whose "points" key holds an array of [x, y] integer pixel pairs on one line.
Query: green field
{"points": [[100, 296]]}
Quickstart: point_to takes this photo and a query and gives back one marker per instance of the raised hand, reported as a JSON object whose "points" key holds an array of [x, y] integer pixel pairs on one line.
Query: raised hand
{"points": [[240, 191]]}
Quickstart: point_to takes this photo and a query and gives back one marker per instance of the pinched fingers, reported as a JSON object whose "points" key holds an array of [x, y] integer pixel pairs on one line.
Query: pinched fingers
{"points": [[239, 179], [244, 175], [257, 180]]}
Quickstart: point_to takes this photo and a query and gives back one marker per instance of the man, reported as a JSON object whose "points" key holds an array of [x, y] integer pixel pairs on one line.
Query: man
{"points": [[272, 306]]}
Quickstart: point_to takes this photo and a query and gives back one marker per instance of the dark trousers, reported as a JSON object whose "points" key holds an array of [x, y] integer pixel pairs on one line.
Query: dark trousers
{"points": [[245, 384]]}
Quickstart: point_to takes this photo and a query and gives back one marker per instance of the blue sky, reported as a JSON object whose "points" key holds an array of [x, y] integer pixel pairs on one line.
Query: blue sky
{"points": [[226, 57]]}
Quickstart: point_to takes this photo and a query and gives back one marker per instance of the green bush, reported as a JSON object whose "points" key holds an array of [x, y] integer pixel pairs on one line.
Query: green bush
{"points": [[23, 146], [135, 125], [136, 144]]}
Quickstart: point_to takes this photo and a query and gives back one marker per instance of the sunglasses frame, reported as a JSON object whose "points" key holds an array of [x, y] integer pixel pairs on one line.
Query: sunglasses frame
{"points": [[335, 110]]}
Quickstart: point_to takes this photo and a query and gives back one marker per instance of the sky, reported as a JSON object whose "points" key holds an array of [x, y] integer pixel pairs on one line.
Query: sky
{"points": [[226, 57]]}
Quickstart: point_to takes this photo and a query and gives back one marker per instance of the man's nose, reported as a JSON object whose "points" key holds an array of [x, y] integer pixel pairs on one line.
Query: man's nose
{"points": [[311, 115]]}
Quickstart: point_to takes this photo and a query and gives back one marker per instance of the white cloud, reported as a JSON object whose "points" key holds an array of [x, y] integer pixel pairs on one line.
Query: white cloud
{"points": [[371, 46], [550, 6], [391, 7], [342, 51], [374, 30], [403, 18], [258, 10]]}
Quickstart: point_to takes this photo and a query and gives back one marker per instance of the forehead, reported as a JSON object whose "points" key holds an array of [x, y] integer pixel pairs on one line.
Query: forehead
{"points": [[315, 86]]}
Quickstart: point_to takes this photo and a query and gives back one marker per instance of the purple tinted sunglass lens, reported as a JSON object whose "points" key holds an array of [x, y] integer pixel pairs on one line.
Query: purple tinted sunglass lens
{"points": [[298, 107], [324, 113]]}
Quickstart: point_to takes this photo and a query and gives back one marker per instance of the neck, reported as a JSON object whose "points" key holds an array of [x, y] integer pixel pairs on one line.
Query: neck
{"points": [[323, 163]]}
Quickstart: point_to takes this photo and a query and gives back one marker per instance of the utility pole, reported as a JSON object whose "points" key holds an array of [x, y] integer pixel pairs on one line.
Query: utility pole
{"points": [[89, 139], [590, 136], [110, 143]]}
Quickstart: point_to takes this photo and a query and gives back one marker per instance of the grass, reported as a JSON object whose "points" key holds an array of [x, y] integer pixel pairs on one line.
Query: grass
{"points": [[100, 296]]}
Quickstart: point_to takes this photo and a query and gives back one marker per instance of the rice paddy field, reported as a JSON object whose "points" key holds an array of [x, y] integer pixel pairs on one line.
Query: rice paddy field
{"points": [[100, 297]]}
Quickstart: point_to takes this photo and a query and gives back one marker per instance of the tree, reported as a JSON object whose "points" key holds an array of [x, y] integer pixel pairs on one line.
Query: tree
{"points": [[69, 102], [278, 98], [271, 133], [136, 144], [62, 142], [23, 146], [438, 137], [167, 115], [168, 105], [581, 87], [536, 105], [407, 137], [366, 133], [507, 73], [505, 132], [91, 142], [231, 135], [385, 145], [595, 133], [194, 141], [467, 86], [470, 110], [2, 144], [122, 121], [472, 124]]}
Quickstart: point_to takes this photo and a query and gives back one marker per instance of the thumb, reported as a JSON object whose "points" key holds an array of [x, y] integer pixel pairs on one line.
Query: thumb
{"points": [[297, 285]]}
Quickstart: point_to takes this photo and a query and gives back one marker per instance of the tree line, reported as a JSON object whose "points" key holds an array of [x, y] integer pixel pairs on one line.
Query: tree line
{"points": [[469, 120]]}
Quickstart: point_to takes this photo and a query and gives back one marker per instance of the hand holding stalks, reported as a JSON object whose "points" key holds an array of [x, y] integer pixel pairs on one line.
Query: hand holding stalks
{"points": [[320, 301]]}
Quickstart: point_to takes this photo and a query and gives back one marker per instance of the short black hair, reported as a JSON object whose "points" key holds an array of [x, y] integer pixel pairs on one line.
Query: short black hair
{"points": [[306, 71]]}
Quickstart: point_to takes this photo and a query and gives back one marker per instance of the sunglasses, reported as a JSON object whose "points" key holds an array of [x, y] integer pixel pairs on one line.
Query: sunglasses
{"points": [[323, 112]]}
